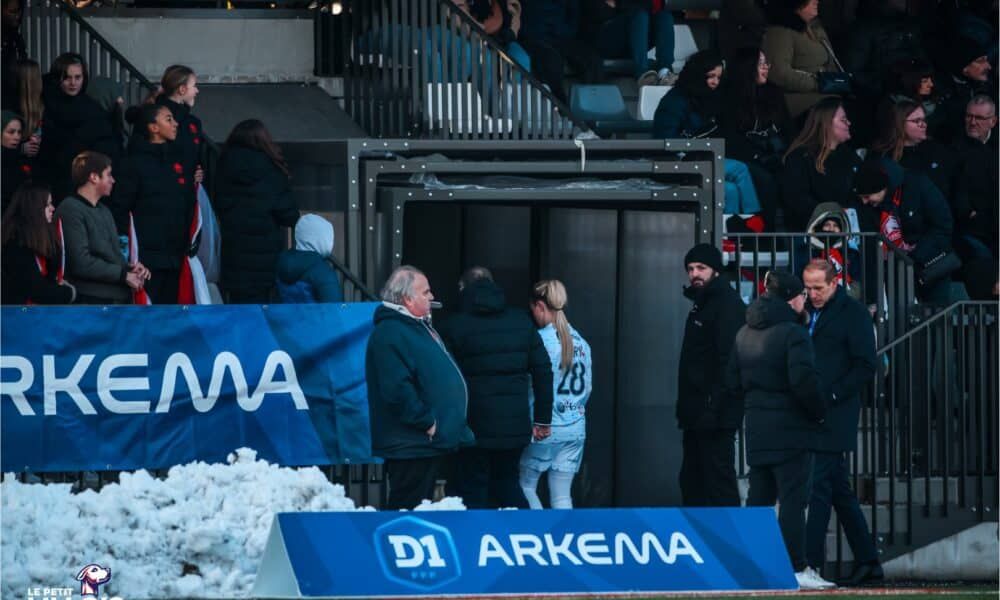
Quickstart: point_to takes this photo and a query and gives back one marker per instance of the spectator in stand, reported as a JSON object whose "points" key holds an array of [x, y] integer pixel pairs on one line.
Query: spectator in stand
{"points": [[12, 49], [819, 165], [31, 106], [95, 264], [800, 53], [178, 91], [773, 368], [417, 397], [501, 357], [153, 191], [741, 25], [913, 80], [561, 453], [691, 109], [756, 125], [969, 75], [910, 212], [831, 218], [500, 19], [16, 168], [549, 30], [903, 139], [978, 188], [627, 29], [304, 275], [707, 414], [74, 122], [844, 340], [883, 36], [254, 203], [32, 253]]}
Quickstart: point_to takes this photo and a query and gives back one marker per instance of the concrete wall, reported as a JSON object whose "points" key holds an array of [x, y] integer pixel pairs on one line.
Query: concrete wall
{"points": [[220, 50]]}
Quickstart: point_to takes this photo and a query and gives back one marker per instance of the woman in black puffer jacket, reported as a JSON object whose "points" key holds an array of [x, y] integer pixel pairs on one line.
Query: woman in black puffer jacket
{"points": [[73, 122], [151, 185], [254, 203]]}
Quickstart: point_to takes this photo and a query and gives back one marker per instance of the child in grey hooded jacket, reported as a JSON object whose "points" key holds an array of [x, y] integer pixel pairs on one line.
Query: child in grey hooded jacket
{"points": [[305, 275]]}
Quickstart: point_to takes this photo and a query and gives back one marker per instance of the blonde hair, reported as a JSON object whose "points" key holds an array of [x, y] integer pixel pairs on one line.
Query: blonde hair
{"points": [[815, 135], [29, 89], [553, 293]]}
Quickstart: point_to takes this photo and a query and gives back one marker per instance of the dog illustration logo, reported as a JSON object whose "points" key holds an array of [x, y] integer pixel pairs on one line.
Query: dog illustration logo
{"points": [[92, 577]]}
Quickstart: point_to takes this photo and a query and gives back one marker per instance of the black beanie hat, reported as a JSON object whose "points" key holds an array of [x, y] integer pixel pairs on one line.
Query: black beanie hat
{"points": [[706, 254], [782, 285], [871, 178], [961, 52]]}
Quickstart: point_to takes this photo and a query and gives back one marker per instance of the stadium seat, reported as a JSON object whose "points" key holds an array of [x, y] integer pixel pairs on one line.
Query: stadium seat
{"points": [[649, 99], [604, 107]]}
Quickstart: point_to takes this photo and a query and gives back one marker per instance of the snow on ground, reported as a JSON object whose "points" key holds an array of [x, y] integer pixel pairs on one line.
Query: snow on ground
{"points": [[198, 533]]}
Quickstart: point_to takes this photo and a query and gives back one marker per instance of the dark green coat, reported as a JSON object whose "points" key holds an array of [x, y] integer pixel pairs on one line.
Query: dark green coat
{"points": [[413, 383], [501, 356]]}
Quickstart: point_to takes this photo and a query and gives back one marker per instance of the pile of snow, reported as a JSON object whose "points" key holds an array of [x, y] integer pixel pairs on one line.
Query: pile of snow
{"points": [[198, 533]]}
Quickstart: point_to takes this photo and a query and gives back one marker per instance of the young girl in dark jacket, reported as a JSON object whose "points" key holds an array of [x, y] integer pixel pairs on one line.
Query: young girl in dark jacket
{"points": [[254, 203], [16, 166], [74, 122], [178, 92], [32, 253], [152, 186]]}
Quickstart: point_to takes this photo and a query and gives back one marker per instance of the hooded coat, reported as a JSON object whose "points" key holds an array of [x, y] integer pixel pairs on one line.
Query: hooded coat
{"points": [[797, 52], [253, 202], [413, 383], [304, 275], [501, 356], [773, 368], [702, 399], [846, 259]]}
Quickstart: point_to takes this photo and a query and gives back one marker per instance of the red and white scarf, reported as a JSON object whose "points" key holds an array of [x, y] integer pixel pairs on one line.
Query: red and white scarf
{"points": [[139, 296]]}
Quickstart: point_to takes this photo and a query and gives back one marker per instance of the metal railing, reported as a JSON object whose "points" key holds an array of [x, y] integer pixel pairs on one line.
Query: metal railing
{"points": [[425, 68], [876, 273], [930, 425], [51, 28]]}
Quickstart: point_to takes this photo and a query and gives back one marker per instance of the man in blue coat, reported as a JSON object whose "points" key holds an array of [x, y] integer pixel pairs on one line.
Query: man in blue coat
{"points": [[842, 335], [417, 400]]}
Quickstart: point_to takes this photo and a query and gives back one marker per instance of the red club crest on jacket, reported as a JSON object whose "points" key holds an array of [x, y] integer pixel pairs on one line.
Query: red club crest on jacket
{"points": [[178, 168], [26, 169], [193, 128], [181, 181]]}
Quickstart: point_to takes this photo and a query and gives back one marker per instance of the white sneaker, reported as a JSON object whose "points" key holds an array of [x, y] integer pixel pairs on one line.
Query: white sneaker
{"points": [[809, 579]]}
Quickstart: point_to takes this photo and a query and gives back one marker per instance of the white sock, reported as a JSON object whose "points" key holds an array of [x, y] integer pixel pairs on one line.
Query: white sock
{"points": [[663, 72]]}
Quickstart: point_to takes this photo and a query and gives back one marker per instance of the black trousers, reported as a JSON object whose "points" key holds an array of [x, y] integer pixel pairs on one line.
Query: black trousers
{"points": [[831, 490], [163, 286], [549, 58], [412, 480], [788, 483], [708, 470], [488, 478]]}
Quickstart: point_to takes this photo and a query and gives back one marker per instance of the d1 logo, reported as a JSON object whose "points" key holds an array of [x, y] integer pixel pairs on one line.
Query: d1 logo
{"points": [[416, 553]]}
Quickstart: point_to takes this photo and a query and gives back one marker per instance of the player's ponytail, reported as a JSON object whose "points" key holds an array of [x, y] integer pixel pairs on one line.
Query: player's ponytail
{"points": [[553, 293]]}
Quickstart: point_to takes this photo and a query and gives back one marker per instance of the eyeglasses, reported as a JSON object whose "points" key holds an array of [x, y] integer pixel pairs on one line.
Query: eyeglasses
{"points": [[764, 64], [920, 121], [978, 118]]}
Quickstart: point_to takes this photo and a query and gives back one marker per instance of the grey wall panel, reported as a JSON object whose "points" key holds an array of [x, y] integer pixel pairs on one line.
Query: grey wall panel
{"points": [[652, 312], [432, 242], [499, 238], [578, 247]]}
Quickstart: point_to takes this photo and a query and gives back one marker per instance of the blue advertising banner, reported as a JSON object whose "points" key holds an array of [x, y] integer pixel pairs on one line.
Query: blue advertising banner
{"points": [[524, 552], [93, 388]]}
